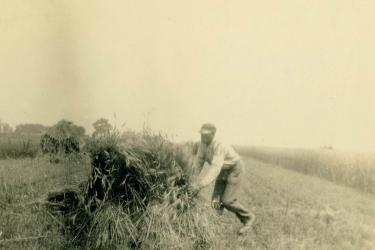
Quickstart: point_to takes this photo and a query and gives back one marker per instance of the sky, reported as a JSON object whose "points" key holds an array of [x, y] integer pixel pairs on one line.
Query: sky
{"points": [[293, 73]]}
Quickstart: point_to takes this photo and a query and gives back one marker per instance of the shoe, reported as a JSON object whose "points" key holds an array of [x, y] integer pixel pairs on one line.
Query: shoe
{"points": [[246, 227]]}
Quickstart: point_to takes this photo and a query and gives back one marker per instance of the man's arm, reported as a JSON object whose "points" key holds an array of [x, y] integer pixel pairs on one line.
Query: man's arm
{"points": [[198, 160], [214, 168]]}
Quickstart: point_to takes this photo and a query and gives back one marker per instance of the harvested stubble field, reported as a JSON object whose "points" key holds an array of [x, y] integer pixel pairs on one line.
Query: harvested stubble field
{"points": [[293, 210]]}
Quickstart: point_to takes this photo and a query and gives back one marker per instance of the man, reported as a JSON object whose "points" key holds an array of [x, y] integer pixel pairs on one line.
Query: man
{"points": [[225, 166]]}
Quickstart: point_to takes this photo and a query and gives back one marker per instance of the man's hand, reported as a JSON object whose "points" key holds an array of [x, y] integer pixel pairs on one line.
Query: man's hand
{"points": [[216, 204], [194, 189]]}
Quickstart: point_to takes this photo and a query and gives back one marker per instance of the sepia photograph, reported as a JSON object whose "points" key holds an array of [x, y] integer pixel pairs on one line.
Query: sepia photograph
{"points": [[187, 125]]}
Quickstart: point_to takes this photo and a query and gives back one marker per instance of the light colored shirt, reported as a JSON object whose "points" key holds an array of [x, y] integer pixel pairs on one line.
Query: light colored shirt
{"points": [[217, 155]]}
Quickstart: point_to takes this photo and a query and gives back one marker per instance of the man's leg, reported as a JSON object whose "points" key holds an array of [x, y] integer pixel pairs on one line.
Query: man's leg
{"points": [[217, 194], [230, 197]]}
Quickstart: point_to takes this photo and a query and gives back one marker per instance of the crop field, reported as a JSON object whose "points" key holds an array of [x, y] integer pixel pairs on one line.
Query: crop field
{"points": [[19, 145], [351, 169], [24, 184], [293, 210]]}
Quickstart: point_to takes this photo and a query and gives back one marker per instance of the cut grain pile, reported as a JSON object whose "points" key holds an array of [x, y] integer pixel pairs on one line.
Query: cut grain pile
{"points": [[136, 197]]}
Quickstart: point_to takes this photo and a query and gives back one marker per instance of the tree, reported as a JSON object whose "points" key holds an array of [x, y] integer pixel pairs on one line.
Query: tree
{"points": [[102, 128]]}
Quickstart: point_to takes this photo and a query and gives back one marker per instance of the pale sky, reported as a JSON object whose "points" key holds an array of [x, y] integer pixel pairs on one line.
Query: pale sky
{"points": [[278, 73]]}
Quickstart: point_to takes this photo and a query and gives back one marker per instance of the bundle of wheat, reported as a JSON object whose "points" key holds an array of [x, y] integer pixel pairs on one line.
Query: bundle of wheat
{"points": [[135, 174], [138, 192]]}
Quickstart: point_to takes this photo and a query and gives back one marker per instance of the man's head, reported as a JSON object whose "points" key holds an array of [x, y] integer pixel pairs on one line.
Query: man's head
{"points": [[208, 131]]}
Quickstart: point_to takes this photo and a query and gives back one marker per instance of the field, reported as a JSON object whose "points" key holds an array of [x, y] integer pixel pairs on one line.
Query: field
{"points": [[351, 169], [24, 184], [19, 145], [293, 210]]}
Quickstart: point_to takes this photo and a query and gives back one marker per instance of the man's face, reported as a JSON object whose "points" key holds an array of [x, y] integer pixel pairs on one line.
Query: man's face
{"points": [[207, 138]]}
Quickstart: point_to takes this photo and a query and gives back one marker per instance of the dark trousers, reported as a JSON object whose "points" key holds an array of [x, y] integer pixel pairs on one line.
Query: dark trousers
{"points": [[226, 192]]}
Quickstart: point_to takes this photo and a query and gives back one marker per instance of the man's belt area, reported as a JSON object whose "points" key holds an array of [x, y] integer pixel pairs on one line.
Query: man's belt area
{"points": [[227, 167]]}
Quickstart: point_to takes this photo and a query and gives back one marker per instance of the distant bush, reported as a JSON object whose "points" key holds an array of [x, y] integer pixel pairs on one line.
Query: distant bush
{"points": [[62, 139], [28, 140], [351, 169], [71, 145], [49, 144]]}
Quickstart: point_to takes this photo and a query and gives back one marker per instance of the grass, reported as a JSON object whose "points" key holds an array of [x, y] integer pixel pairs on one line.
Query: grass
{"points": [[355, 170], [293, 211], [296, 211], [24, 184]]}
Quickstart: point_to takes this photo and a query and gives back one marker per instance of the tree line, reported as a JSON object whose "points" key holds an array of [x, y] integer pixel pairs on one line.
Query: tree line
{"points": [[64, 136]]}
